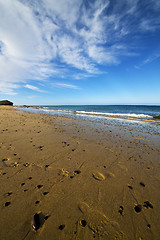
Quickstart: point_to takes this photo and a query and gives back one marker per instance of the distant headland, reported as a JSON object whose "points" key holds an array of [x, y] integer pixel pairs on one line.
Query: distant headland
{"points": [[6, 102]]}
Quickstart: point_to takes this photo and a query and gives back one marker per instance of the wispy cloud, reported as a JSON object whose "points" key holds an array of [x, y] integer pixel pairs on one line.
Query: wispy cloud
{"points": [[148, 60], [33, 88], [49, 38], [8, 89], [64, 85], [151, 58]]}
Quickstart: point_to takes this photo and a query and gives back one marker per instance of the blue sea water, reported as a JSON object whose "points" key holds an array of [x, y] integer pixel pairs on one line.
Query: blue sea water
{"points": [[129, 112]]}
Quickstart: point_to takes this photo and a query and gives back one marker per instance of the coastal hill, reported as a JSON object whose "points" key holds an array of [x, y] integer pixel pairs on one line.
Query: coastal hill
{"points": [[6, 102]]}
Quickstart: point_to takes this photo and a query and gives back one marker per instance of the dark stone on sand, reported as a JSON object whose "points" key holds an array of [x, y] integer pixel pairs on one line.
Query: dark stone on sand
{"points": [[121, 210], [138, 208], [4, 160], [9, 193], [38, 220], [83, 223], [46, 217], [77, 171], [7, 204], [45, 193], [6, 102], [147, 204], [41, 147], [61, 227], [142, 184]]}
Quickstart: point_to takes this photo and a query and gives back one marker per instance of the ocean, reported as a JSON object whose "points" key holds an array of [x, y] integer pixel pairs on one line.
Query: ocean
{"points": [[92, 112]]}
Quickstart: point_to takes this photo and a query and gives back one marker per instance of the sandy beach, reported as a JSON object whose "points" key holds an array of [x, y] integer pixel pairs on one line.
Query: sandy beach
{"points": [[67, 179]]}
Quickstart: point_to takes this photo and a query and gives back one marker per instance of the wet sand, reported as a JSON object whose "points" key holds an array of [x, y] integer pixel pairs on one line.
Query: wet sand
{"points": [[69, 179]]}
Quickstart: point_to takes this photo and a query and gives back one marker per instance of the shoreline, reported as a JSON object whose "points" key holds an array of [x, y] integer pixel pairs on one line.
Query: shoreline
{"points": [[89, 181], [82, 114]]}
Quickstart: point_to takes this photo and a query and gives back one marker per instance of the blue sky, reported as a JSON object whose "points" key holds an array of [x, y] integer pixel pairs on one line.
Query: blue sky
{"points": [[80, 51]]}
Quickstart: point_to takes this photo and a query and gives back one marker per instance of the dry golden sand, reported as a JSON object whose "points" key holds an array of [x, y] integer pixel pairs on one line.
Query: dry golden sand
{"points": [[84, 181]]}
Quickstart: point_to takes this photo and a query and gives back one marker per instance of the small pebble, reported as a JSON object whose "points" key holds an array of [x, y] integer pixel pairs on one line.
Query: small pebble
{"points": [[61, 227], [7, 204], [138, 208], [83, 223], [142, 184], [45, 193], [77, 171]]}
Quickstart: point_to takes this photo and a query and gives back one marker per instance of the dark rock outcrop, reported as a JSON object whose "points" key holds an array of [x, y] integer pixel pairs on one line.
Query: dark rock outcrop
{"points": [[6, 102]]}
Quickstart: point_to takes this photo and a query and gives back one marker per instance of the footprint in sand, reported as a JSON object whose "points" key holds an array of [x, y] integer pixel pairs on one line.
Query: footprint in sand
{"points": [[41, 147], [63, 172], [123, 167], [99, 224], [109, 174], [98, 176], [15, 164], [26, 164], [7, 164], [5, 160]]}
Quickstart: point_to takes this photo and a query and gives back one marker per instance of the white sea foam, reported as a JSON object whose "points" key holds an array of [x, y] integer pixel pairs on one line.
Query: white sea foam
{"points": [[116, 114], [104, 114]]}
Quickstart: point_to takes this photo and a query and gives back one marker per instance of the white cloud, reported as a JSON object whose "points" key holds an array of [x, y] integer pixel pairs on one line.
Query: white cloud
{"points": [[8, 88], [51, 38], [148, 60], [64, 85], [101, 55], [149, 25], [33, 88]]}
